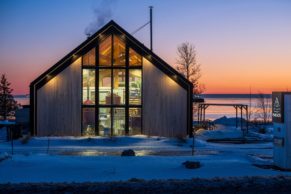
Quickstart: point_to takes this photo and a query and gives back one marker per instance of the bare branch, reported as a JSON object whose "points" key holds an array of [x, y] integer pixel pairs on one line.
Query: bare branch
{"points": [[263, 108], [187, 65]]}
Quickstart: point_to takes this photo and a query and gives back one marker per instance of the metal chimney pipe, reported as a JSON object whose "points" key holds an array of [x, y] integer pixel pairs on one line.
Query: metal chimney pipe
{"points": [[151, 27]]}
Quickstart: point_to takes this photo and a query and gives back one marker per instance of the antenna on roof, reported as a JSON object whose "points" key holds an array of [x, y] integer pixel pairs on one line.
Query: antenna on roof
{"points": [[151, 27]]}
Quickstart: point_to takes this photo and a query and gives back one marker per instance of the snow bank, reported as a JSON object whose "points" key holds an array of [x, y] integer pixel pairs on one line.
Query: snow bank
{"points": [[231, 132], [4, 156], [228, 121], [221, 132]]}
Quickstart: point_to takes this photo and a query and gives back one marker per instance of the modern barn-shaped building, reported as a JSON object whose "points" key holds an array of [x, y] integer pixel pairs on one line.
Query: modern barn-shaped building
{"points": [[111, 85]]}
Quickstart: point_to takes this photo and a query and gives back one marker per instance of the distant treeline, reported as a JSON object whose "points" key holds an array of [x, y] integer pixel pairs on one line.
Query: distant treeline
{"points": [[234, 95]]}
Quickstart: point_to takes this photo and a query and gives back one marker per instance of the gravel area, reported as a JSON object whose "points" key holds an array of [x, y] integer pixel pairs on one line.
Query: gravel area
{"points": [[249, 185]]}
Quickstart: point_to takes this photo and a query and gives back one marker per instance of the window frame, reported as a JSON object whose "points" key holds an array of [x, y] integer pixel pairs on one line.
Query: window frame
{"points": [[127, 67]]}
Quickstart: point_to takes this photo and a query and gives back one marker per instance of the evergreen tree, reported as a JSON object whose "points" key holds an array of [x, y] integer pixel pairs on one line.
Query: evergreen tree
{"points": [[7, 102]]}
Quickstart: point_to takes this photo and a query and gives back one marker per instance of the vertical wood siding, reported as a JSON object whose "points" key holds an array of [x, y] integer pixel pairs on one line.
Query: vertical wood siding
{"points": [[164, 104], [59, 103]]}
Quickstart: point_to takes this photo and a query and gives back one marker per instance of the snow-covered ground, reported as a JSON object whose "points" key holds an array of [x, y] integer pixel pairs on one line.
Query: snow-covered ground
{"points": [[83, 159], [231, 132]]}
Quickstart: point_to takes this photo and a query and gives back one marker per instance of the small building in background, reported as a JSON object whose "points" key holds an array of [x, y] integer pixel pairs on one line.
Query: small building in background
{"points": [[22, 119], [111, 85]]}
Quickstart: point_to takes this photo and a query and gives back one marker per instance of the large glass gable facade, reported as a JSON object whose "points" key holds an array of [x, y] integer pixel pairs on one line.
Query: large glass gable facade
{"points": [[112, 89]]}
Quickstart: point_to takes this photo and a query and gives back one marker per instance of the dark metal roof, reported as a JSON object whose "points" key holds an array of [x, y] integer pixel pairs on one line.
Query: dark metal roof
{"points": [[110, 27]]}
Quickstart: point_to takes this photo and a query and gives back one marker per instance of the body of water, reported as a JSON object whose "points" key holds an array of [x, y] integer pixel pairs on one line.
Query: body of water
{"points": [[22, 99], [212, 112], [215, 112]]}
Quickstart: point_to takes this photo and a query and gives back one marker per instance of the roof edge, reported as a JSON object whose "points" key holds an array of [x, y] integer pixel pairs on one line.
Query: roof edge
{"points": [[111, 23]]}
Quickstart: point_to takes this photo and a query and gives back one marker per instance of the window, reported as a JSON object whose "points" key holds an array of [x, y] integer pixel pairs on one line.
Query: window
{"points": [[134, 58], [119, 86], [88, 87], [105, 52], [104, 121], [105, 86], [135, 86], [118, 109], [119, 121], [119, 52], [88, 121], [89, 58], [134, 123]]}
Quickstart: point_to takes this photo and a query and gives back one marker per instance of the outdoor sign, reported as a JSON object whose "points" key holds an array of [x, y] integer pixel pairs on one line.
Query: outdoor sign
{"points": [[278, 107]]}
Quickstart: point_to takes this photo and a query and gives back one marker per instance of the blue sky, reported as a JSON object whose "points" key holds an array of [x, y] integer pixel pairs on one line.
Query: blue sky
{"points": [[240, 43]]}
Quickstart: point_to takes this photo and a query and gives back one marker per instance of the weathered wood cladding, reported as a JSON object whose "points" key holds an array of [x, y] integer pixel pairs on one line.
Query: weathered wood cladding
{"points": [[59, 103], [164, 104]]}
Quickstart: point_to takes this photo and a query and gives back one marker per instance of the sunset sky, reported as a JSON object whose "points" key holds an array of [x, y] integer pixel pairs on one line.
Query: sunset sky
{"points": [[241, 44]]}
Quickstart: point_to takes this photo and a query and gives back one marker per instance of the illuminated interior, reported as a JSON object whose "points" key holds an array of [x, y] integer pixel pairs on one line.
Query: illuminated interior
{"points": [[119, 52], [105, 86], [89, 58], [105, 52], [118, 97], [119, 86], [88, 86], [135, 82], [134, 121], [134, 58], [88, 121]]}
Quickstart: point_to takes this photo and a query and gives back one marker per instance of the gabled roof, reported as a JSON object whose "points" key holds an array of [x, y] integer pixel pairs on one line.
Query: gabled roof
{"points": [[111, 27]]}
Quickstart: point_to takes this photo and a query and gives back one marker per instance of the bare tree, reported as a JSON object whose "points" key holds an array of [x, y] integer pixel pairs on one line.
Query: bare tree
{"points": [[263, 108], [187, 65]]}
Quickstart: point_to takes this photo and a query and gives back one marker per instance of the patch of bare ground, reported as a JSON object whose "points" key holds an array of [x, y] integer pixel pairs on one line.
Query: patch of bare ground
{"points": [[232, 185]]}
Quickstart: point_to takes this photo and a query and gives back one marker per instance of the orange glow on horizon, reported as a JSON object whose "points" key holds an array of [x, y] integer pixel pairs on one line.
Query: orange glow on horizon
{"points": [[241, 45]]}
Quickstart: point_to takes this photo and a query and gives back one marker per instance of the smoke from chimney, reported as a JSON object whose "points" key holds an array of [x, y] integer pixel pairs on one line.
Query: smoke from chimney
{"points": [[102, 15]]}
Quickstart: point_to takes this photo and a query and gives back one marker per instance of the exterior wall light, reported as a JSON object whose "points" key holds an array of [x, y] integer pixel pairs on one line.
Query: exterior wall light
{"points": [[75, 56], [122, 36]]}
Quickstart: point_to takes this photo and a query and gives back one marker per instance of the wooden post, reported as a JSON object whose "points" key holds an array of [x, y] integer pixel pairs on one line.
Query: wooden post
{"points": [[235, 116], [193, 142], [247, 114], [198, 113], [204, 108], [11, 138], [241, 118]]}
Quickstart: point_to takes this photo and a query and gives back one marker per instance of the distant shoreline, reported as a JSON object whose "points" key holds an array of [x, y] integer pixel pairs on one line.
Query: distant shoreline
{"points": [[234, 95], [202, 95]]}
